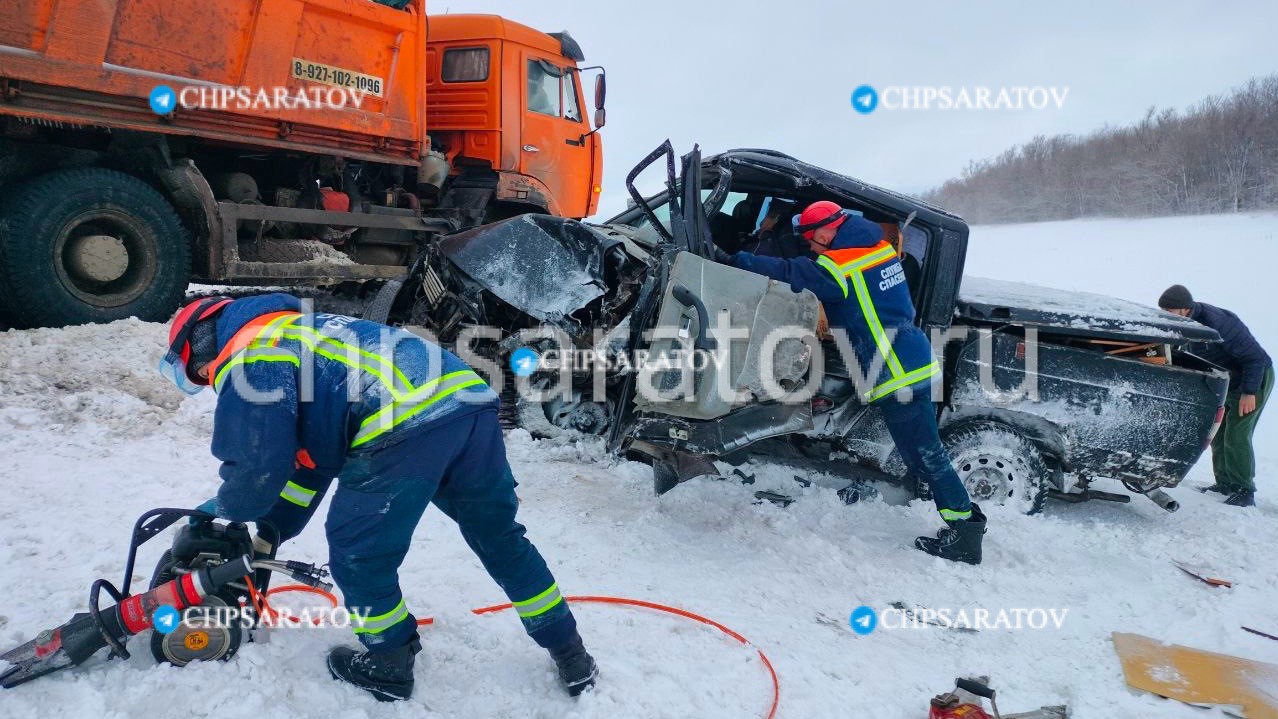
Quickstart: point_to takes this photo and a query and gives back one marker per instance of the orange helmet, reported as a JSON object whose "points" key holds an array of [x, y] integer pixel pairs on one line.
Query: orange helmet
{"points": [[174, 364], [818, 215]]}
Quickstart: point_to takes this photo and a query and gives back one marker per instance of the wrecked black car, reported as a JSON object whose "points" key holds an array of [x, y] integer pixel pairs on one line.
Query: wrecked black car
{"points": [[1043, 392]]}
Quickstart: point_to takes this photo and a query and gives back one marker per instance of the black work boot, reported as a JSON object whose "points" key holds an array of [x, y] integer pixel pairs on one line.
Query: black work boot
{"points": [[1242, 498], [577, 670], [960, 541], [388, 676]]}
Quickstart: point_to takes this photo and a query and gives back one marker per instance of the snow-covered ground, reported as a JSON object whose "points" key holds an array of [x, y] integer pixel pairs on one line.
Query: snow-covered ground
{"points": [[92, 436]]}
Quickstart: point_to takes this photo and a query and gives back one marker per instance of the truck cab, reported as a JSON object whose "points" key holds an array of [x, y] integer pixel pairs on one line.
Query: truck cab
{"points": [[507, 107], [307, 142]]}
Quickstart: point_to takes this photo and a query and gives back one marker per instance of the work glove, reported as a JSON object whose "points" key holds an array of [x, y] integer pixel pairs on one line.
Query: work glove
{"points": [[718, 254]]}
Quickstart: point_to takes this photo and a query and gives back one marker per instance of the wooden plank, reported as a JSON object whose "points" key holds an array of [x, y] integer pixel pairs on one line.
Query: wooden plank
{"points": [[1240, 686]]}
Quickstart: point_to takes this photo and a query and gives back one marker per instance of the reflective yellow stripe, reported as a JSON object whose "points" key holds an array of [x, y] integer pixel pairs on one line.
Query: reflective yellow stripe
{"points": [[854, 270], [251, 355], [382, 622], [951, 515], [834, 269], [419, 399], [387, 364], [876, 327], [314, 345], [862, 262], [270, 333], [539, 604], [906, 380], [297, 494], [285, 328]]}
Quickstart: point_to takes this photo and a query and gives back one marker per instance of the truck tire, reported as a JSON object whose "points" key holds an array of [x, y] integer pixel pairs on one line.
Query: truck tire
{"points": [[90, 245], [379, 310], [998, 465]]}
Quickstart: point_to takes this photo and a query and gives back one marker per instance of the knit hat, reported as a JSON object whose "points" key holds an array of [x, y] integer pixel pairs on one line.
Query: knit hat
{"points": [[203, 344], [1176, 297]]}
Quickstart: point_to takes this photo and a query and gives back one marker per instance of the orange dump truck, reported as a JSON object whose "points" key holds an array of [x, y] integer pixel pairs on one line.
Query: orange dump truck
{"points": [[148, 143]]}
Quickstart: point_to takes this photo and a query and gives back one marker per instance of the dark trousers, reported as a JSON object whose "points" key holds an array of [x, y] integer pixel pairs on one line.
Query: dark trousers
{"points": [[460, 466], [1233, 460], [914, 431]]}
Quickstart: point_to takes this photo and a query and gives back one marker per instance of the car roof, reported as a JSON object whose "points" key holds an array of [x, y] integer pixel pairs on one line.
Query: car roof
{"points": [[799, 176], [780, 163]]}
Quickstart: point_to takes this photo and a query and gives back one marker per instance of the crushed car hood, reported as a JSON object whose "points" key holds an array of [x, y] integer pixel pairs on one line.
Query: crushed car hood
{"points": [[547, 267], [1074, 313]]}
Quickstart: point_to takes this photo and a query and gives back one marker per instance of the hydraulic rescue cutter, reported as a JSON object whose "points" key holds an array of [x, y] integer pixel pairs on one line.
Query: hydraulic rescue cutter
{"points": [[212, 566]]}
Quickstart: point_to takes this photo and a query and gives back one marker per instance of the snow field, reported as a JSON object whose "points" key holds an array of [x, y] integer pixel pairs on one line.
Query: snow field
{"points": [[91, 436]]}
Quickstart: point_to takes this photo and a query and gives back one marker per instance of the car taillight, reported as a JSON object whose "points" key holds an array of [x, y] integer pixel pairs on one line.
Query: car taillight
{"points": [[1215, 426]]}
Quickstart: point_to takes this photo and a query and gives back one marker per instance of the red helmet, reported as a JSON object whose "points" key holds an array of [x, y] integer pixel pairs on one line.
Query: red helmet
{"points": [[818, 215], [174, 363]]}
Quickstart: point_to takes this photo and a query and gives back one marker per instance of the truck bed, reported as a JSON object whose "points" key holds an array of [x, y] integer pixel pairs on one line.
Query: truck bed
{"points": [[95, 63], [1098, 415]]}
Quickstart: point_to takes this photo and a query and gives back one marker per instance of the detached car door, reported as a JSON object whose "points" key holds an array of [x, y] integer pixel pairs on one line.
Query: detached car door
{"points": [[723, 349]]}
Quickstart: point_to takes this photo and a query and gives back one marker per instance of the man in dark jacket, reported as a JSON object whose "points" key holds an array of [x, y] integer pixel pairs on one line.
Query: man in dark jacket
{"points": [[1251, 378], [859, 279], [400, 423], [775, 236]]}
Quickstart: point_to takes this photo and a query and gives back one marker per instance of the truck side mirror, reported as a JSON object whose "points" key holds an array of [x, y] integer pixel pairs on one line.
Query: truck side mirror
{"points": [[601, 91]]}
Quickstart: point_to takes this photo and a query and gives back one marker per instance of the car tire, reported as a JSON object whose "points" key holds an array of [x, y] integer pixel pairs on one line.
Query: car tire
{"points": [[999, 466], [90, 245]]}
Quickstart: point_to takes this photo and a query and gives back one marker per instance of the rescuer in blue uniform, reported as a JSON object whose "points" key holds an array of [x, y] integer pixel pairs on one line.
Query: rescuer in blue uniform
{"points": [[400, 423], [859, 279]]}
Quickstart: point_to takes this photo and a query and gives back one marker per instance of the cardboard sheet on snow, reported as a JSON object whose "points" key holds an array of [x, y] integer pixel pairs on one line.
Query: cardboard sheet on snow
{"points": [[1241, 687]]}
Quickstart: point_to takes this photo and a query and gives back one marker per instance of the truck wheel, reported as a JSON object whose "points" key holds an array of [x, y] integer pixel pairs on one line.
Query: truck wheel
{"points": [[999, 466], [90, 245], [379, 310]]}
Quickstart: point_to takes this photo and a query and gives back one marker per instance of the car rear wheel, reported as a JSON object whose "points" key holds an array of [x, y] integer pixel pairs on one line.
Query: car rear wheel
{"points": [[90, 245], [999, 466]]}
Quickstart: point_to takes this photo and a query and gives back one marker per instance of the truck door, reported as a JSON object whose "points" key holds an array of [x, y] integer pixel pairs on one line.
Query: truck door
{"points": [[552, 125]]}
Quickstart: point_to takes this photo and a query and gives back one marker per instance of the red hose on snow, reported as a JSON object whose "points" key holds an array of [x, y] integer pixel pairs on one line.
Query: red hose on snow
{"points": [[776, 685], [266, 610]]}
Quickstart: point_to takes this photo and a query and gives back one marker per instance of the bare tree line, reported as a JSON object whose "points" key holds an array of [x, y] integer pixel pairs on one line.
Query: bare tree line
{"points": [[1221, 155]]}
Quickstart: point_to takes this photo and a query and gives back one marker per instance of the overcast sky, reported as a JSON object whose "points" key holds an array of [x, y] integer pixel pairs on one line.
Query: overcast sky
{"points": [[747, 73]]}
